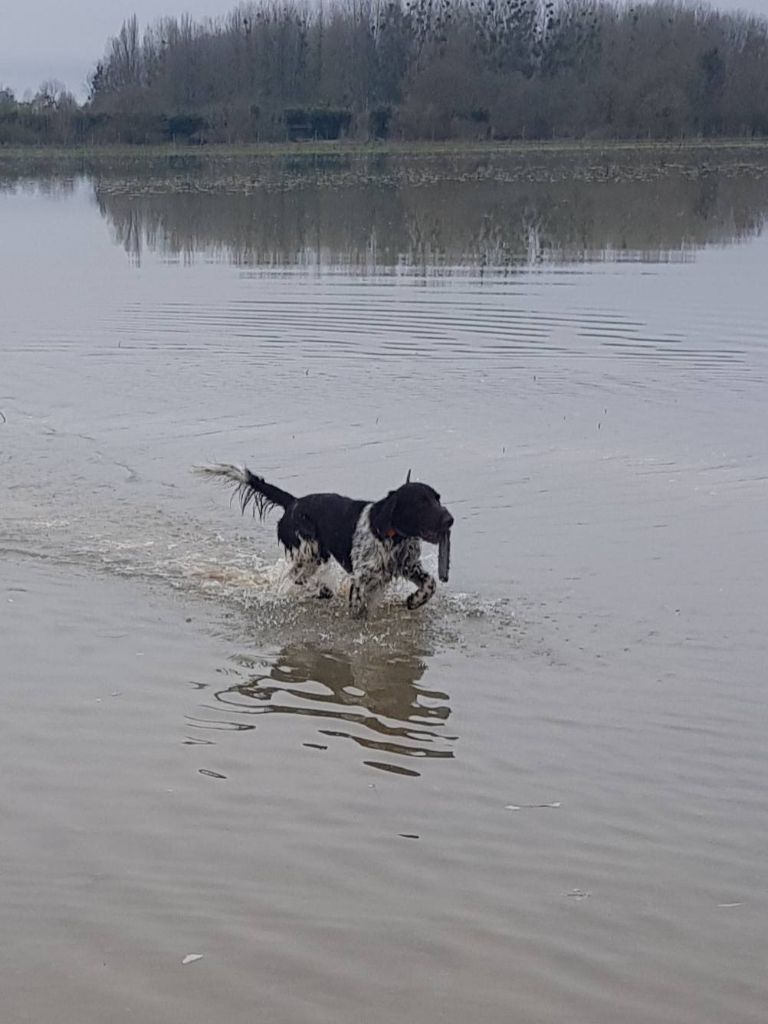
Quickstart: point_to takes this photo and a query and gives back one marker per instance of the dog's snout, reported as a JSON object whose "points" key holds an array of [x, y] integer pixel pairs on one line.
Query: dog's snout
{"points": [[447, 519]]}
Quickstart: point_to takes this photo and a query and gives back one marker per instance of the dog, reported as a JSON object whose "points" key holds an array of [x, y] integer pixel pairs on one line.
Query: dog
{"points": [[373, 541]]}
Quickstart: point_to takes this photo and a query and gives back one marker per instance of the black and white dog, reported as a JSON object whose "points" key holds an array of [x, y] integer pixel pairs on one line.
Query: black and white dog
{"points": [[374, 541]]}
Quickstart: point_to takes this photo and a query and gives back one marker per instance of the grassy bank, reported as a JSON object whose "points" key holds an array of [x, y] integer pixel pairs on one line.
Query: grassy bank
{"points": [[125, 153]]}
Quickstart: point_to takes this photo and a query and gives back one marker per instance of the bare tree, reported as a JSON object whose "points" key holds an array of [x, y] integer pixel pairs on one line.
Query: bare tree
{"points": [[431, 68]]}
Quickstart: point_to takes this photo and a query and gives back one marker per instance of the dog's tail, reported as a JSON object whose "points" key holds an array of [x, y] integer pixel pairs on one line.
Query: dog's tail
{"points": [[250, 489]]}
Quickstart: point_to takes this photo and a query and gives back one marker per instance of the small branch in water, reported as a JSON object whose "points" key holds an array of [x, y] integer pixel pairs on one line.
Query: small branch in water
{"points": [[3, 417]]}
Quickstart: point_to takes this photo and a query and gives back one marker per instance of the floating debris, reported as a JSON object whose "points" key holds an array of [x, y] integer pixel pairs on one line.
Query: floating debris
{"points": [[578, 894], [526, 807]]}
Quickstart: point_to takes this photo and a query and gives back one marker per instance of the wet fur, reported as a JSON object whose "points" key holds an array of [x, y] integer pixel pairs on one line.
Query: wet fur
{"points": [[375, 542]]}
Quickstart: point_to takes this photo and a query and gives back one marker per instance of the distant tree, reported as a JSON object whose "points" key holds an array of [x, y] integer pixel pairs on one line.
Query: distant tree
{"points": [[274, 69]]}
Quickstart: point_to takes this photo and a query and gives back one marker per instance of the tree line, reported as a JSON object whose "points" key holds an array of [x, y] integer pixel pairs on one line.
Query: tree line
{"points": [[416, 69]]}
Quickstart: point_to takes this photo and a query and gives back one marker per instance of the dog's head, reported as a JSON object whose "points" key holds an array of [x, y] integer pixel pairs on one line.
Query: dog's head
{"points": [[413, 510]]}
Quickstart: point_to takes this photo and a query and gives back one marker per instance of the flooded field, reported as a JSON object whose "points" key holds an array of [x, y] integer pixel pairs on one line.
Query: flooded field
{"points": [[541, 798]]}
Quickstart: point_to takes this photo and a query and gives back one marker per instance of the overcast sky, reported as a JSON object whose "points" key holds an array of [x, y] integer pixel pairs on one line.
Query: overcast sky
{"points": [[63, 39]]}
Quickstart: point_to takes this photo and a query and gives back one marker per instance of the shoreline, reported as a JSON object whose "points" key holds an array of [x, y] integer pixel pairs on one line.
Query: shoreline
{"points": [[262, 150]]}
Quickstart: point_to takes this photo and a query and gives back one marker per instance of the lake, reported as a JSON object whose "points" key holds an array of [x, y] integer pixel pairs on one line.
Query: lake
{"points": [[542, 798]]}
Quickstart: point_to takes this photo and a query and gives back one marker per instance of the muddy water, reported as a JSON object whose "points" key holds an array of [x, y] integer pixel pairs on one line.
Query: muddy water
{"points": [[543, 799]]}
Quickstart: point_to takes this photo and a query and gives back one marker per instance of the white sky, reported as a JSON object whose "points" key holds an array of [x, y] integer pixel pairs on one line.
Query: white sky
{"points": [[63, 39]]}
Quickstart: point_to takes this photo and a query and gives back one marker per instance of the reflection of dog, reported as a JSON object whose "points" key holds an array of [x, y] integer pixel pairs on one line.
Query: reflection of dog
{"points": [[385, 686], [373, 541], [365, 694]]}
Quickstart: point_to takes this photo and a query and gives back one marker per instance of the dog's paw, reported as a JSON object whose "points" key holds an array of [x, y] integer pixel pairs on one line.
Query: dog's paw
{"points": [[417, 599]]}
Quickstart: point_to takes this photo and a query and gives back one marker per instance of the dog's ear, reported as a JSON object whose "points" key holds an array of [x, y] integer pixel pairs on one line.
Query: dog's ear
{"points": [[408, 478], [382, 515]]}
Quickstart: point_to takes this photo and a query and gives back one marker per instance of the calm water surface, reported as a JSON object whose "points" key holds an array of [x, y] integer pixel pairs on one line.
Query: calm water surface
{"points": [[541, 800]]}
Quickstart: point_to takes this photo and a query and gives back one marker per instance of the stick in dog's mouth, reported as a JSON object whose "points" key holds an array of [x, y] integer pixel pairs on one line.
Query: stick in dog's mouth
{"points": [[444, 556]]}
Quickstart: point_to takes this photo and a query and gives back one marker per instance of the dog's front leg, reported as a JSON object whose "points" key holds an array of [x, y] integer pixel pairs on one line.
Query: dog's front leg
{"points": [[410, 568], [365, 586], [358, 606], [425, 584]]}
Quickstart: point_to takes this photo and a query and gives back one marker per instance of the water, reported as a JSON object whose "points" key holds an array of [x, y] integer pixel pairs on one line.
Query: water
{"points": [[543, 798]]}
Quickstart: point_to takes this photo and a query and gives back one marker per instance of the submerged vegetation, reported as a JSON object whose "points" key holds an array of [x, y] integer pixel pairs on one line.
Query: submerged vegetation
{"points": [[281, 70]]}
